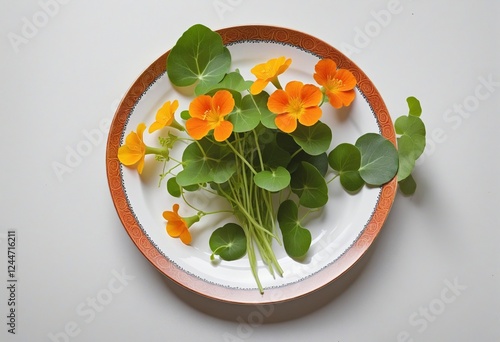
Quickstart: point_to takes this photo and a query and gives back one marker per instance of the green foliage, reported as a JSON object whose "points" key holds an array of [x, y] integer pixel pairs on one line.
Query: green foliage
{"points": [[206, 161], [199, 57], [229, 242], [346, 160], [313, 139], [379, 159], [308, 183], [296, 238], [411, 140], [273, 180]]}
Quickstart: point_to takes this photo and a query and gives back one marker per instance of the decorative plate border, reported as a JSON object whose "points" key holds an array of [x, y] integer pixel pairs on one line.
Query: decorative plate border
{"points": [[316, 281]]}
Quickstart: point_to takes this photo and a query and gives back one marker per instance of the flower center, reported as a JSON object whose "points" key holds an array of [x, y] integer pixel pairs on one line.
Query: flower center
{"points": [[295, 107]]}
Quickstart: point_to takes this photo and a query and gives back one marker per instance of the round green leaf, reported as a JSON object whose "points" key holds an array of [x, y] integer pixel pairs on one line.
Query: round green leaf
{"points": [[319, 161], [408, 186], [308, 183], [379, 159], [411, 143], [206, 161], [173, 188], [313, 139], [229, 242], [199, 56], [345, 157], [232, 81], [274, 180], [296, 238], [351, 181], [246, 115]]}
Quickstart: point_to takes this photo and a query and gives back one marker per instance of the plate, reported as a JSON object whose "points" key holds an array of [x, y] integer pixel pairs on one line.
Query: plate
{"points": [[341, 233]]}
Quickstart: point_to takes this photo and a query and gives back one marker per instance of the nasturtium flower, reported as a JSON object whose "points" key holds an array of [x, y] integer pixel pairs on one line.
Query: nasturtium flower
{"points": [[133, 151], [338, 83], [178, 226], [268, 72], [164, 116], [207, 113], [297, 101]]}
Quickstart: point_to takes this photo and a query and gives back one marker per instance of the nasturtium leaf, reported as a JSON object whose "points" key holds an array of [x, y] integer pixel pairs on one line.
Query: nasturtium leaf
{"points": [[199, 57], [296, 238], [379, 159], [266, 116], [229, 242], [308, 183], [286, 142], [346, 160], [246, 115], [414, 106], [313, 139], [408, 186], [351, 181], [272, 154], [272, 180], [232, 81], [173, 188], [206, 161], [185, 114], [411, 143], [345, 157], [319, 161]]}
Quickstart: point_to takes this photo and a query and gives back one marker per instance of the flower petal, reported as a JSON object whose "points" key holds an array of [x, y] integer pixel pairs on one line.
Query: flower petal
{"points": [[293, 89], [199, 106], [127, 156], [310, 116], [258, 86], [223, 102], [325, 71], [186, 236], [310, 95], [347, 78], [286, 122], [223, 131], [197, 128], [278, 102]]}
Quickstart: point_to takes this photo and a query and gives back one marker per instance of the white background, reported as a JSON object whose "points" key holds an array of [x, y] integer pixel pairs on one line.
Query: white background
{"points": [[433, 273]]}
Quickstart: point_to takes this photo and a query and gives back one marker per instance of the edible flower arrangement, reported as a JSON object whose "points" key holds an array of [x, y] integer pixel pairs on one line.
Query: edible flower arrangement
{"points": [[262, 147]]}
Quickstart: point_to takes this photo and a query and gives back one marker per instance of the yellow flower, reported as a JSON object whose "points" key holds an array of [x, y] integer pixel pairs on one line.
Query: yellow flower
{"points": [[268, 72], [178, 226], [164, 116], [338, 83], [133, 151]]}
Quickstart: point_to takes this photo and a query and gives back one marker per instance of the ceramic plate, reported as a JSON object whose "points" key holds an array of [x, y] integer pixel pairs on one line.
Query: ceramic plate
{"points": [[341, 233]]}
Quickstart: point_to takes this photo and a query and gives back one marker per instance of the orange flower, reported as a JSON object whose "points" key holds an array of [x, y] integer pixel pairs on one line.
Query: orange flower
{"points": [[208, 113], [338, 84], [164, 116], [134, 150], [297, 102], [268, 72], [178, 226]]}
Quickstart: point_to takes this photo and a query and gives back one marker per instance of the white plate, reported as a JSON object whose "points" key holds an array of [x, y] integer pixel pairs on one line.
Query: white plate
{"points": [[341, 233]]}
